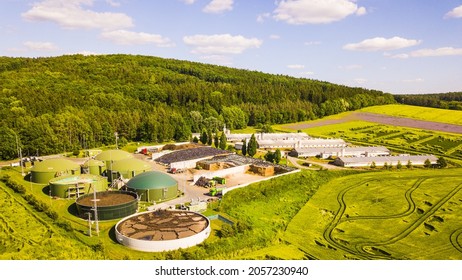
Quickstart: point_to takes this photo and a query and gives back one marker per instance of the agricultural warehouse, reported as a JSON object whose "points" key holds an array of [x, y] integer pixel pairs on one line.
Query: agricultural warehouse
{"points": [[94, 167], [72, 186], [188, 158], [153, 186], [340, 152], [382, 160], [111, 156], [127, 168], [110, 205], [305, 143], [238, 137], [162, 230], [42, 172]]}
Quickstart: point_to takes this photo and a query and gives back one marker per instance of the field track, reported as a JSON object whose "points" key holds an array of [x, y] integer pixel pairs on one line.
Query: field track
{"points": [[382, 119]]}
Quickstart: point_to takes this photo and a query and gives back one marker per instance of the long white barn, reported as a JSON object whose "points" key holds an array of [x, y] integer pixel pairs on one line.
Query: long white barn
{"points": [[415, 160], [326, 152]]}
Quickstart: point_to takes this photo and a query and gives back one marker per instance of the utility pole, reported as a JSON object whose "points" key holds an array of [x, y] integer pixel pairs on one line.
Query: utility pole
{"points": [[95, 209], [19, 154], [116, 137], [89, 223]]}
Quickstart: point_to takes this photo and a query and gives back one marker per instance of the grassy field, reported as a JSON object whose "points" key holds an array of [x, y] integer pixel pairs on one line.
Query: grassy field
{"points": [[386, 215], [417, 112]]}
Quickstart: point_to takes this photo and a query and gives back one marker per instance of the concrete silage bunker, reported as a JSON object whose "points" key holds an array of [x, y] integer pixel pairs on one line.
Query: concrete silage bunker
{"points": [[42, 172], [72, 186], [110, 205], [162, 230], [153, 186]]}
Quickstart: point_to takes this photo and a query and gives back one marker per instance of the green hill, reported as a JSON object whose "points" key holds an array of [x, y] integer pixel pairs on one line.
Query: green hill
{"points": [[65, 103]]}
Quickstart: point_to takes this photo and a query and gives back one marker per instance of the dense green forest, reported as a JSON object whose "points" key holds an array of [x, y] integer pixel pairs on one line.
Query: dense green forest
{"points": [[450, 100], [57, 104]]}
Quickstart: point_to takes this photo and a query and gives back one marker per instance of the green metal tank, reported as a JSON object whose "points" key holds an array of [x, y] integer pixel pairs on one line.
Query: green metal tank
{"points": [[110, 205], [94, 167], [73, 186], [109, 157], [42, 172], [127, 168], [154, 186]]}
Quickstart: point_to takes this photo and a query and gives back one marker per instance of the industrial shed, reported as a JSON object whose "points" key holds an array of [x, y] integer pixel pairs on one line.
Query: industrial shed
{"points": [[326, 152], [42, 172], [416, 160], [109, 157], [188, 158], [127, 168], [153, 186]]}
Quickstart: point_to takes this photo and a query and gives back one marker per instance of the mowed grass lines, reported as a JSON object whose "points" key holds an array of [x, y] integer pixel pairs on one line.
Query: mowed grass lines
{"points": [[388, 215], [417, 112]]}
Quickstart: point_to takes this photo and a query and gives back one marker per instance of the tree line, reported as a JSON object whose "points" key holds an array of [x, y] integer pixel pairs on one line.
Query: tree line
{"points": [[450, 100], [57, 104]]}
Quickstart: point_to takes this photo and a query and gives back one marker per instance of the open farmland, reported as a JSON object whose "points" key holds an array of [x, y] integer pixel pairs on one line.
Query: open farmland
{"points": [[389, 215]]}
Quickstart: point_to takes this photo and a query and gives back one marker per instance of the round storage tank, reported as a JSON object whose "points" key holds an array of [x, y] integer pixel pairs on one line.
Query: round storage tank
{"points": [[42, 172], [110, 205], [109, 157], [153, 186], [94, 167], [127, 168], [162, 230], [72, 186]]}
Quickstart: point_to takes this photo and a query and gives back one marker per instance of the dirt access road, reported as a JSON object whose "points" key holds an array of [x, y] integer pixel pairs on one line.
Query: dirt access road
{"points": [[383, 119]]}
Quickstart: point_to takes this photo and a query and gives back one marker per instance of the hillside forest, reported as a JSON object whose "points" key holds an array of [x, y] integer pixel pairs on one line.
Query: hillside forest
{"points": [[57, 104]]}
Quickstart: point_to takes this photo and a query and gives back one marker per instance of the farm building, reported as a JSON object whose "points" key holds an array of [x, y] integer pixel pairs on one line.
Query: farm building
{"points": [[162, 230], [111, 156], [153, 186], [127, 168], [72, 186], [109, 205], [188, 158], [327, 152], [93, 166], [42, 172], [418, 160], [291, 143]]}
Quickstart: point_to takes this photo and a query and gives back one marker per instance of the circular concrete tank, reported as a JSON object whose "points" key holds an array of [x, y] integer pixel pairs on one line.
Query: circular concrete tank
{"points": [[162, 230], [110, 205], [42, 172], [153, 186]]}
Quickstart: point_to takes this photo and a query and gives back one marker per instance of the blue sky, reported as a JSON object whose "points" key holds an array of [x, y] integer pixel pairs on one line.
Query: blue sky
{"points": [[408, 46]]}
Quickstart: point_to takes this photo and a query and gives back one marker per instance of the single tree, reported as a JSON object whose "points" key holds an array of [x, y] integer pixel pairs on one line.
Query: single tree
{"points": [[277, 156], [427, 163], [216, 140], [409, 164], [252, 146], [269, 156], [399, 165], [244, 148], [204, 137], [373, 165], [209, 138], [385, 165], [195, 140], [223, 141]]}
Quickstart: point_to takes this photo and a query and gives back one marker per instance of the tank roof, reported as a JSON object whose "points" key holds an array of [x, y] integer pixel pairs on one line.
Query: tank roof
{"points": [[151, 180], [130, 164], [54, 165], [93, 162], [114, 155], [89, 178]]}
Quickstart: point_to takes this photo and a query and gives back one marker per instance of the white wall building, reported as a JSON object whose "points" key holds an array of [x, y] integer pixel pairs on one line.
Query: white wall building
{"points": [[326, 152], [418, 160]]}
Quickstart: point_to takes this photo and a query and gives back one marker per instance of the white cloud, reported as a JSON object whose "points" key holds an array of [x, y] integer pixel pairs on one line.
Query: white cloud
{"points": [[113, 3], [360, 81], [189, 2], [218, 6], [221, 44], [316, 11], [40, 46], [418, 80], [445, 51], [124, 37], [296, 66], [312, 43], [454, 13], [275, 37], [217, 59], [70, 14], [263, 17], [381, 44], [351, 67]]}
